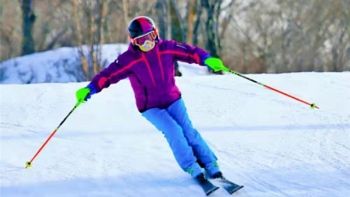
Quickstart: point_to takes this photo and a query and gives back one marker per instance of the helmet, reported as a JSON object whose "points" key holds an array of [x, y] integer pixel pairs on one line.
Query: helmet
{"points": [[143, 33]]}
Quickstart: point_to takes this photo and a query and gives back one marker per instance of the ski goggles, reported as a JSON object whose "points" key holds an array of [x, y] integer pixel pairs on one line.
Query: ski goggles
{"points": [[141, 40]]}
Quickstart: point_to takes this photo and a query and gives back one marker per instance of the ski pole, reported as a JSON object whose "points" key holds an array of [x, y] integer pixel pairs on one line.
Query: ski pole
{"points": [[313, 105], [29, 163]]}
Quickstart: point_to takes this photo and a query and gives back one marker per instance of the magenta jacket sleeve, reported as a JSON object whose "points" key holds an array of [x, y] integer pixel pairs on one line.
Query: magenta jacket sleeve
{"points": [[189, 54], [110, 75]]}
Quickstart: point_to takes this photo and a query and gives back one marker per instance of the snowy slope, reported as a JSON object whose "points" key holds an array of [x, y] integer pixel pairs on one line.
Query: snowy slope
{"points": [[62, 65], [272, 144]]}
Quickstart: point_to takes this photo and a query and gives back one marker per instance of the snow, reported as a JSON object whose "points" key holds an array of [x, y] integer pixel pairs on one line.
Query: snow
{"points": [[273, 145], [62, 65]]}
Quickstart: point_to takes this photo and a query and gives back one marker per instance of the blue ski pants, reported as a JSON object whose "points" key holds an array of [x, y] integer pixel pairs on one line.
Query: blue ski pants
{"points": [[184, 140]]}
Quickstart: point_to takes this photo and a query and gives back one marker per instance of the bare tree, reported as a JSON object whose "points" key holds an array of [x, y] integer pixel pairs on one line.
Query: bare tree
{"points": [[91, 35], [53, 23], [248, 35], [28, 18], [197, 21], [212, 9], [164, 22], [7, 45]]}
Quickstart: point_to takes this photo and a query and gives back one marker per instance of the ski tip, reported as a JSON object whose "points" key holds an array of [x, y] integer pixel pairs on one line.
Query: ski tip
{"points": [[236, 189], [212, 190]]}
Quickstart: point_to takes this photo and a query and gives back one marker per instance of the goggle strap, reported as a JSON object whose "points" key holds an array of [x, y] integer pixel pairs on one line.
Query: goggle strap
{"points": [[144, 35], [134, 39]]}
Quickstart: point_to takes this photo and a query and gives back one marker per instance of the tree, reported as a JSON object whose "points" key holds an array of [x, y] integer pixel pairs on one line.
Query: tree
{"points": [[249, 36], [212, 9], [90, 34], [213, 42], [164, 21], [28, 18]]}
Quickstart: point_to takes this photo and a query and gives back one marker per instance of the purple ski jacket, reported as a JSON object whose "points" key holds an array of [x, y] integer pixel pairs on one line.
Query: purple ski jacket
{"points": [[151, 74]]}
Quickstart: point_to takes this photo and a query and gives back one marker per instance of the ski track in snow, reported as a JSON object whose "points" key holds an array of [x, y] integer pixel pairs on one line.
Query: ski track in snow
{"points": [[271, 144]]}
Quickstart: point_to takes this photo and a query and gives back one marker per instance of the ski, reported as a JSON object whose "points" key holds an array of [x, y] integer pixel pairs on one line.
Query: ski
{"points": [[206, 185], [228, 185]]}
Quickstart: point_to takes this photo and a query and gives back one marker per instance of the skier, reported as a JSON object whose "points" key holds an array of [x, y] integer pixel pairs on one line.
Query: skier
{"points": [[149, 65]]}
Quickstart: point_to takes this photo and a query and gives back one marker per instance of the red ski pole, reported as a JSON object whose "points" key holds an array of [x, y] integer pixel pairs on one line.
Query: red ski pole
{"points": [[313, 105], [29, 163]]}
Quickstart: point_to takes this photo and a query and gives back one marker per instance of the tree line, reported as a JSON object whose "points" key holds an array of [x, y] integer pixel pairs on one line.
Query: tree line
{"points": [[250, 36]]}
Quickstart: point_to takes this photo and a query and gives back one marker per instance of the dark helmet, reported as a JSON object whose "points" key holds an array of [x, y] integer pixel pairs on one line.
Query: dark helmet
{"points": [[141, 25]]}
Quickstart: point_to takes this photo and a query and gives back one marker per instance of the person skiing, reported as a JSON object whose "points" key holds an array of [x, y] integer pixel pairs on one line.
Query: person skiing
{"points": [[149, 65]]}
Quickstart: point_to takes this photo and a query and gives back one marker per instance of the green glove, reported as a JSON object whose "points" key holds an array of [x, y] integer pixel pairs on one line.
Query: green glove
{"points": [[83, 94], [215, 64]]}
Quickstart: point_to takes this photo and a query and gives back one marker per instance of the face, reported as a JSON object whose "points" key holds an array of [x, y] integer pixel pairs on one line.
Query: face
{"points": [[146, 42]]}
